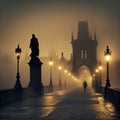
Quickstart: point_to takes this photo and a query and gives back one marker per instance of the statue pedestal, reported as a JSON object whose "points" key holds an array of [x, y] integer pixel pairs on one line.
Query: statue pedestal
{"points": [[35, 75]]}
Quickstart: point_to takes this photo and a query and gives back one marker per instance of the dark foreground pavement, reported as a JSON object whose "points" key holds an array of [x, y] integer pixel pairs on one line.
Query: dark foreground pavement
{"points": [[62, 105]]}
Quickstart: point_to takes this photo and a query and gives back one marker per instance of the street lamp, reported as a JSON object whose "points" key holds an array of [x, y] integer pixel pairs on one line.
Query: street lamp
{"points": [[108, 57], [96, 79], [51, 82], [69, 82], [65, 71], [18, 53], [60, 83], [100, 68], [96, 70]]}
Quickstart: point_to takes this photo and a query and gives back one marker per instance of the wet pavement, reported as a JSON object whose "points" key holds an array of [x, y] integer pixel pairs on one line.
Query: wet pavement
{"points": [[62, 105]]}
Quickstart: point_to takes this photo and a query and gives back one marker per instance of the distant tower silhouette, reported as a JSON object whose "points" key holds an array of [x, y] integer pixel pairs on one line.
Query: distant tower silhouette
{"points": [[84, 48], [35, 67]]}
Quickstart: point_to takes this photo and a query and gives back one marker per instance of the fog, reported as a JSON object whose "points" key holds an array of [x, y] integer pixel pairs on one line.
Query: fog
{"points": [[53, 22]]}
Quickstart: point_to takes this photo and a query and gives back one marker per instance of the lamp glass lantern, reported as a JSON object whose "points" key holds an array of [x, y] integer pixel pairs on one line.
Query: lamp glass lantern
{"points": [[108, 54], [51, 82], [18, 52]]}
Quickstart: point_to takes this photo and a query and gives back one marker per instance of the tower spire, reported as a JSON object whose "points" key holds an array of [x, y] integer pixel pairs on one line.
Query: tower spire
{"points": [[83, 32]]}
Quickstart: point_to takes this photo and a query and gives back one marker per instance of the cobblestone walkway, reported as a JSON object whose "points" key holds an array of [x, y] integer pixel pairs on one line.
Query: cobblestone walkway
{"points": [[78, 105], [62, 105]]}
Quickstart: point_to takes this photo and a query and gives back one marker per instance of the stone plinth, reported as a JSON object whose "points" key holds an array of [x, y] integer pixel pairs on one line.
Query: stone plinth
{"points": [[35, 75]]}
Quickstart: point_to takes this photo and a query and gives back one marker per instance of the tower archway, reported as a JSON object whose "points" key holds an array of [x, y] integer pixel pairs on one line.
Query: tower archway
{"points": [[84, 74]]}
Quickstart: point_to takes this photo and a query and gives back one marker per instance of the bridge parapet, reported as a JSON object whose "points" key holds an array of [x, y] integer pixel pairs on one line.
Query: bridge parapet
{"points": [[112, 95], [11, 95], [7, 96]]}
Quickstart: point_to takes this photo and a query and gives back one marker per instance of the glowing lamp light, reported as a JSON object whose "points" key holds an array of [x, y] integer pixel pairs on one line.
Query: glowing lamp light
{"points": [[18, 51], [96, 70], [100, 67], [60, 67], [69, 74], [108, 57], [107, 54], [50, 62], [51, 82], [65, 71]]}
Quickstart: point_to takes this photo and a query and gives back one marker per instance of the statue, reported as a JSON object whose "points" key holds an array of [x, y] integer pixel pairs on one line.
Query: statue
{"points": [[35, 84], [34, 45]]}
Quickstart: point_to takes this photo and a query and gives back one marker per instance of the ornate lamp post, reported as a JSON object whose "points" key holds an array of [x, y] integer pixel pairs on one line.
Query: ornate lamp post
{"points": [[108, 57], [65, 71], [69, 82], [60, 83], [18, 53], [51, 82], [100, 68], [96, 79]]}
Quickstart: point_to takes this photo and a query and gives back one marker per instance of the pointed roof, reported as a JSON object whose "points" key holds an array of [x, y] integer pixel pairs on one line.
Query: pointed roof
{"points": [[62, 60]]}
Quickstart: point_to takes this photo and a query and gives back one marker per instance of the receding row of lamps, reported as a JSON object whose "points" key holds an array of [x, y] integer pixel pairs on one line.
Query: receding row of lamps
{"points": [[59, 68], [107, 54]]}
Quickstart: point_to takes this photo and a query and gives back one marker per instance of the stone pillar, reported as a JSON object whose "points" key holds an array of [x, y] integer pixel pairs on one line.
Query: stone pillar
{"points": [[35, 75]]}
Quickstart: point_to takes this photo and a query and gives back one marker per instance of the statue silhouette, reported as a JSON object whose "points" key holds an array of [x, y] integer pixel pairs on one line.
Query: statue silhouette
{"points": [[35, 84], [34, 45]]}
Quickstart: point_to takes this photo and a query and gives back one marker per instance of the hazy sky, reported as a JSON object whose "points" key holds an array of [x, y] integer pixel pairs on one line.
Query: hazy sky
{"points": [[53, 21]]}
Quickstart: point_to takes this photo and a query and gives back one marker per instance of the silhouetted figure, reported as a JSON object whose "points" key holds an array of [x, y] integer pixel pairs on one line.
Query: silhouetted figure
{"points": [[85, 85], [34, 45]]}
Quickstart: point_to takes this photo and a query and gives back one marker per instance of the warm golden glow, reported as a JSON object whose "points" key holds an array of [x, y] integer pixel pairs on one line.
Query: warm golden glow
{"points": [[69, 74], [51, 63], [65, 71], [60, 67], [110, 107], [100, 67], [53, 30], [108, 54], [60, 92], [18, 54], [97, 70], [108, 57], [93, 75]]}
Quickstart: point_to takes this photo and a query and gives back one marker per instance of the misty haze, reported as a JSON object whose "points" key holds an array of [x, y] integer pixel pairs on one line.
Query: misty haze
{"points": [[53, 27], [59, 59]]}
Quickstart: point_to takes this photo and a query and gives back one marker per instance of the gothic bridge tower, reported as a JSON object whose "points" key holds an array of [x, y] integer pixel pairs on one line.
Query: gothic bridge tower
{"points": [[84, 49]]}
